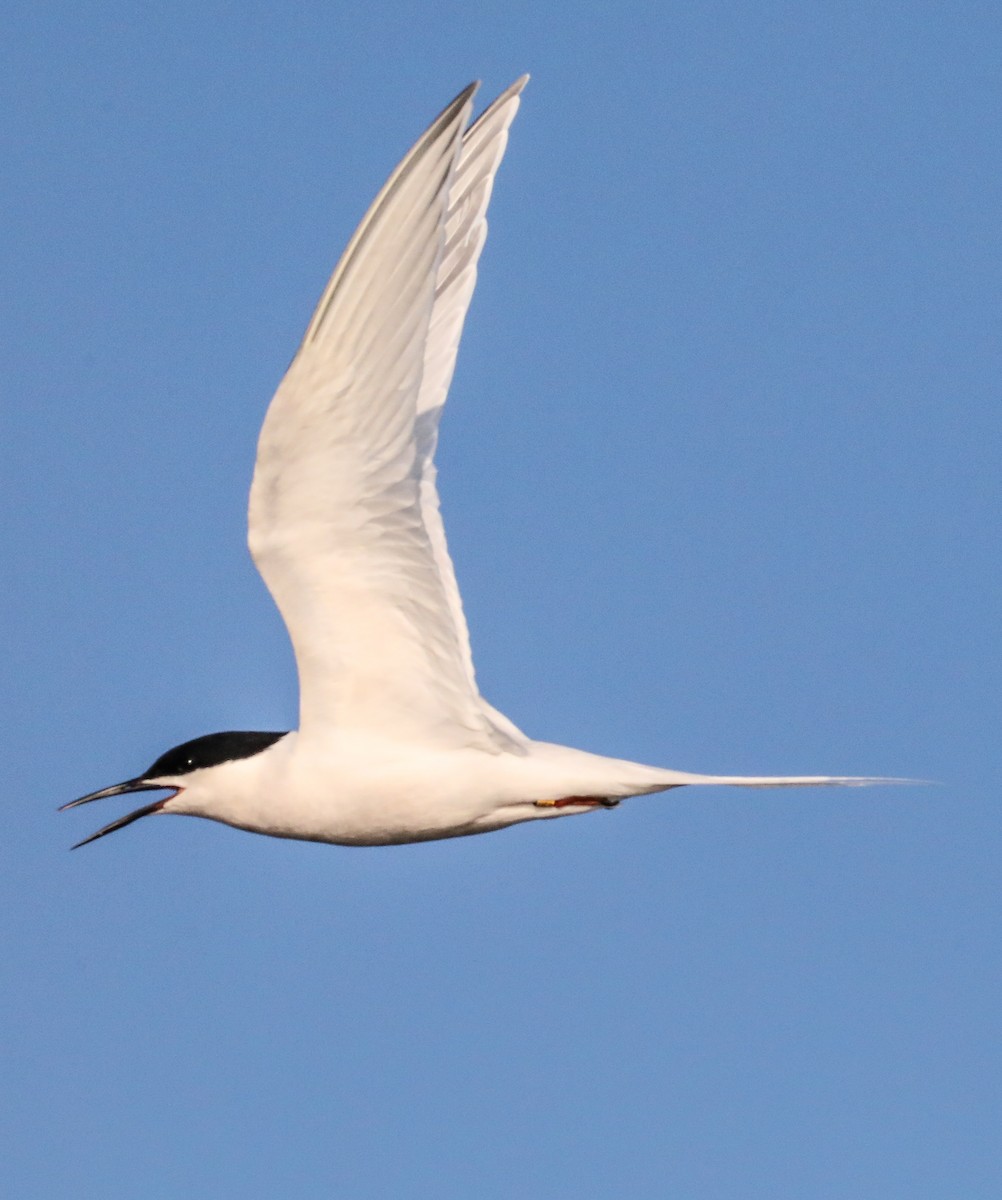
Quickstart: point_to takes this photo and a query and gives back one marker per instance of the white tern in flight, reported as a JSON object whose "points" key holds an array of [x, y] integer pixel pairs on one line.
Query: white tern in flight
{"points": [[395, 742]]}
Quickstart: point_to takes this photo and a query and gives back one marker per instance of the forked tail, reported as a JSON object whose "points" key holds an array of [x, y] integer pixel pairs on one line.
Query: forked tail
{"points": [[683, 778], [594, 775]]}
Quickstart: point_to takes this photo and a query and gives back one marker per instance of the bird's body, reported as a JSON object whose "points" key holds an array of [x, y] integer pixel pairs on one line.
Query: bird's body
{"points": [[395, 742], [368, 790]]}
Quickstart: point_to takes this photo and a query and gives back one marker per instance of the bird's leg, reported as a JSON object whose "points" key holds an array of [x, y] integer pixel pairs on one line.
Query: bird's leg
{"points": [[567, 801]]}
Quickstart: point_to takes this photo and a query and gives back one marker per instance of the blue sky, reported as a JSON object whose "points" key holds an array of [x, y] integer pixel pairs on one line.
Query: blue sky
{"points": [[721, 476]]}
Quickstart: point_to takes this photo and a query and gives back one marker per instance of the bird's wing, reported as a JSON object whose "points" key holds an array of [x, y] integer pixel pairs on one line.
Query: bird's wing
{"points": [[338, 523], [484, 145]]}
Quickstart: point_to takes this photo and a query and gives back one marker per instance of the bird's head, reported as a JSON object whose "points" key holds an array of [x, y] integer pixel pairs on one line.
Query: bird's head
{"points": [[192, 765]]}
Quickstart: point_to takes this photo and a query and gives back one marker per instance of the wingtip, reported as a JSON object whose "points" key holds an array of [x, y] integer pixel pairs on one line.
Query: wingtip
{"points": [[513, 90], [462, 102], [471, 89], [465, 96]]}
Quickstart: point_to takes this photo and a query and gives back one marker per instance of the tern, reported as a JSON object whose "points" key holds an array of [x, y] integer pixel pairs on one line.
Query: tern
{"points": [[395, 743]]}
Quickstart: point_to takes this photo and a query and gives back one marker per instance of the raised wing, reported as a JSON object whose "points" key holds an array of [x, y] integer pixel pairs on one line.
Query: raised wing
{"points": [[338, 509], [484, 145]]}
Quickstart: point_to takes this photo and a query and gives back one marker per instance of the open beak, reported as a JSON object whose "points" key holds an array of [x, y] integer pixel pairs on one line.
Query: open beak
{"points": [[121, 789]]}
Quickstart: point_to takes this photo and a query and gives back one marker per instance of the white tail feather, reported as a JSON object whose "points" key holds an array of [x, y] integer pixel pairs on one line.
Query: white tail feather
{"points": [[683, 779]]}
